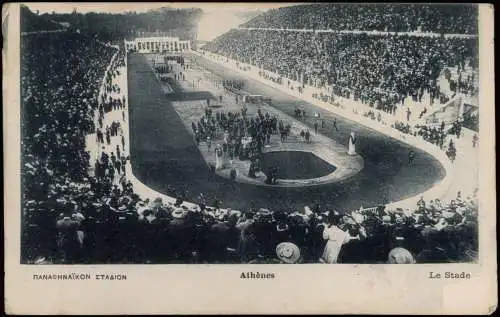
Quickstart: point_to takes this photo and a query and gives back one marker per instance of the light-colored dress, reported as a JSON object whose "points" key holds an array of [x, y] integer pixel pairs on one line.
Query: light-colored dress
{"points": [[218, 159], [336, 238], [352, 145]]}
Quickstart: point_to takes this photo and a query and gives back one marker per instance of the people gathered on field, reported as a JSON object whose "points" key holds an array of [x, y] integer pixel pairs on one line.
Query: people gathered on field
{"points": [[243, 137]]}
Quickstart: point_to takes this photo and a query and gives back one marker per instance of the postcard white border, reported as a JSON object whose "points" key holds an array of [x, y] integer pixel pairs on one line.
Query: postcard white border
{"points": [[312, 288]]}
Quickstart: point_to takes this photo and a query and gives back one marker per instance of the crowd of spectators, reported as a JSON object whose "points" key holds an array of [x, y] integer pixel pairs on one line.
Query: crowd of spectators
{"points": [[379, 70], [73, 216], [433, 135], [463, 81], [403, 127], [435, 18], [144, 231], [60, 97], [437, 135]]}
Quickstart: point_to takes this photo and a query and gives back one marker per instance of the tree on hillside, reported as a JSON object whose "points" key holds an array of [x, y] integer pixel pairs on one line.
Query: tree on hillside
{"points": [[31, 22], [180, 22]]}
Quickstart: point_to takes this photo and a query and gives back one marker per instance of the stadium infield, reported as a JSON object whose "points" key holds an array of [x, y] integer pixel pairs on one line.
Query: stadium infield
{"points": [[164, 155]]}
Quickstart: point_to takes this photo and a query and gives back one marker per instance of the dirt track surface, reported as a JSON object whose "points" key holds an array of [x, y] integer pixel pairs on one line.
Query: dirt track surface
{"points": [[164, 154]]}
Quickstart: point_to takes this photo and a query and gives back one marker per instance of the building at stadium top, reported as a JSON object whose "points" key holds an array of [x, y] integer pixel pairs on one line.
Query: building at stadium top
{"points": [[157, 44]]}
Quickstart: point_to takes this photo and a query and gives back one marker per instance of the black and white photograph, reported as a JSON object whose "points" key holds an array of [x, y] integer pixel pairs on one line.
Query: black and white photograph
{"points": [[267, 144], [304, 134]]}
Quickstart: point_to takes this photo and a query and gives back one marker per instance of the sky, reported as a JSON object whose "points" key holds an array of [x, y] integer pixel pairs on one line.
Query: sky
{"points": [[218, 18]]}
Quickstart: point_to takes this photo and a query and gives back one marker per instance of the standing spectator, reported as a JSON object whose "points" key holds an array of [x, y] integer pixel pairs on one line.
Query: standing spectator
{"points": [[411, 158], [336, 238], [335, 124], [475, 139]]}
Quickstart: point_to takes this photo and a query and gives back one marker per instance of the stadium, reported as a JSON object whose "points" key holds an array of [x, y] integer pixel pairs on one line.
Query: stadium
{"points": [[323, 133]]}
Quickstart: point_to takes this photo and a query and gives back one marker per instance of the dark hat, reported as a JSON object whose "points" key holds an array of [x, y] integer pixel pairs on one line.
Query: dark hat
{"points": [[282, 227]]}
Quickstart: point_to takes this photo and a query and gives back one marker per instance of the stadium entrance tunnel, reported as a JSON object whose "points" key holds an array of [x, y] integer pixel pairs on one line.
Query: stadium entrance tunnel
{"points": [[295, 165]]}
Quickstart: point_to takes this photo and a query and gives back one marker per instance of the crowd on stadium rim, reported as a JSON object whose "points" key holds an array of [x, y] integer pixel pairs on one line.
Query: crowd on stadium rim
{"points": [[381, 71], [436, 18], [73, 216]]}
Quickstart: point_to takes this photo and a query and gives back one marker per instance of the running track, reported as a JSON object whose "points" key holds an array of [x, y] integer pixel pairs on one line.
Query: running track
{"points": [[163, 154]]}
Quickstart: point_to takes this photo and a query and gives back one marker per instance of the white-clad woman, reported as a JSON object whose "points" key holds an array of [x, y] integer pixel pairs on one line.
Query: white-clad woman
{"points": [[352, 144], [218, 157], [336, 238]]}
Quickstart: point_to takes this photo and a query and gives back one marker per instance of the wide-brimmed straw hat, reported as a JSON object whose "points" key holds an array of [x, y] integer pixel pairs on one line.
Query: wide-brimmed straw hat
{"points": [[97, 204], [125, 200], [386, 219], [41, 260], [448, 213], [264, 211], [288, 252], [400, 256], [220, 213], [235, 212], [358, 217], [179, 213], [62, 200], [78, 216]]}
